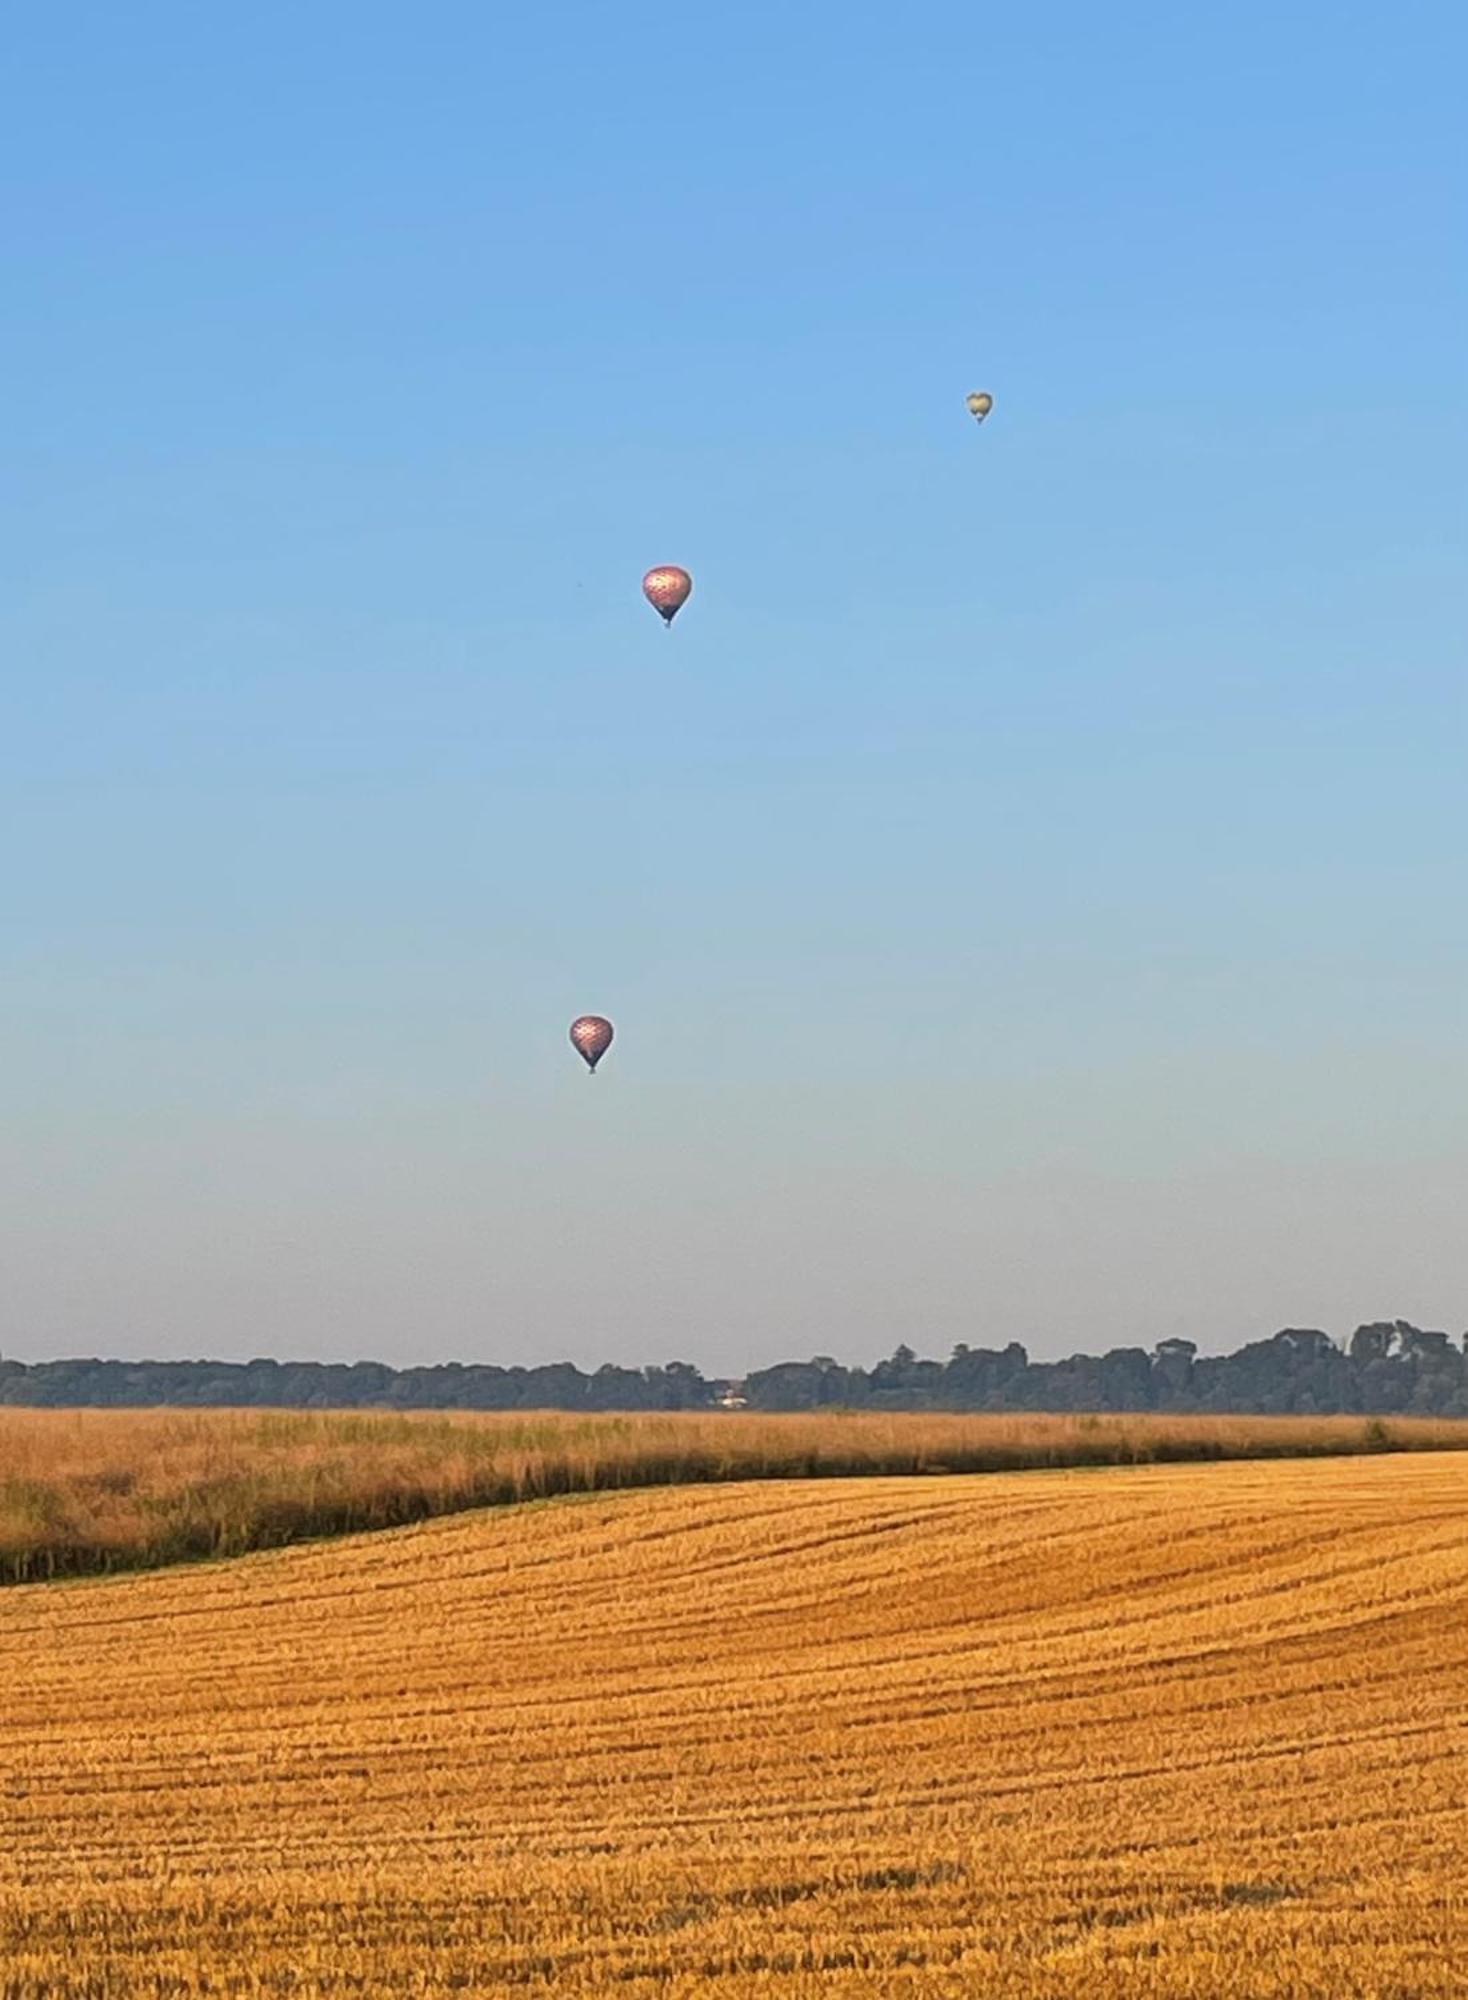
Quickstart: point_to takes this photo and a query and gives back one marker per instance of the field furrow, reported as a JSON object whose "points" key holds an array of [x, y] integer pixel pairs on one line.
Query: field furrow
{"points": [[1182, 1731]]}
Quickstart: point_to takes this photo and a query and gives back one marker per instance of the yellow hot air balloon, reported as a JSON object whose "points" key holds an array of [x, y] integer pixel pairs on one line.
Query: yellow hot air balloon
{"points": [[979, 405]]}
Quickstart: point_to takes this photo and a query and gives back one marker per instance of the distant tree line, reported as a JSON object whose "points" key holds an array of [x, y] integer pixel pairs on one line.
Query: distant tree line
{"points": [[1387, 1366], [1384, 1367]]}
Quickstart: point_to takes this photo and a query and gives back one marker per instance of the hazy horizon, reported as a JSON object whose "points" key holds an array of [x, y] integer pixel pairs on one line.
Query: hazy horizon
{"points": [[1027, 882], [588, 1364]]}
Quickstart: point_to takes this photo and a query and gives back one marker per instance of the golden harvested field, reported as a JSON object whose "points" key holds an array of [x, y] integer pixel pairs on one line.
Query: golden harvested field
{"points": [[1171, 1730], [83, 1491]]}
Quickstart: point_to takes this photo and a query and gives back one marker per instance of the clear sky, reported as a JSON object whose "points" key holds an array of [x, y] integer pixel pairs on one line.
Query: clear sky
{"points": [[1029, 880]]}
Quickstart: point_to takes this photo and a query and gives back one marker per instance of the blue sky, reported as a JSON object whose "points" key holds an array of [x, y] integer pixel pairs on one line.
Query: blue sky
{"points": [[1028, 881]]}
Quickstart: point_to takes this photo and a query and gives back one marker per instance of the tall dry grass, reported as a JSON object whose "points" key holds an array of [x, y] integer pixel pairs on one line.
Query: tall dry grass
{"points": [[83, 1491]]}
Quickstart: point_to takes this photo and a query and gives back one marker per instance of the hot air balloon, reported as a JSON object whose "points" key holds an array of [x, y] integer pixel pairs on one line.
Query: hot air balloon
{"points": [[667, 590], [979, 405], [591, 1037]]}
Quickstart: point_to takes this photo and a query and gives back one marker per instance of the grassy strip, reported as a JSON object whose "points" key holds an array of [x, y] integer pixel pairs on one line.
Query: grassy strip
{"points": [[84, 1492]]}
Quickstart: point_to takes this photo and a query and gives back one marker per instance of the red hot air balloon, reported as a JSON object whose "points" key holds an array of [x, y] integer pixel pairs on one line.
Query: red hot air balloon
{"points": [[591, 1037], [667, 590]]}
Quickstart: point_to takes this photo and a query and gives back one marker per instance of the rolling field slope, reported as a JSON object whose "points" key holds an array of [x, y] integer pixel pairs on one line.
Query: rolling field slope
{"points": [[88, 1491], [1184, 1730]]}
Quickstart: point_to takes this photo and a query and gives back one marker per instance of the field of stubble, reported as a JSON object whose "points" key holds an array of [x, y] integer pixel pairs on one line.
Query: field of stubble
{"points": [[1182, 1730]]}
